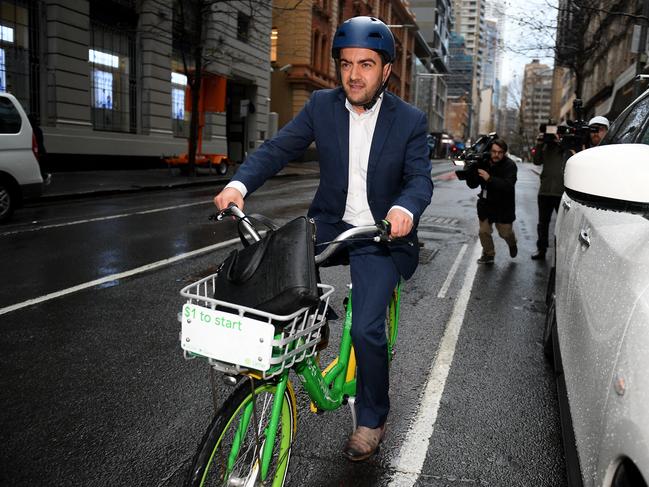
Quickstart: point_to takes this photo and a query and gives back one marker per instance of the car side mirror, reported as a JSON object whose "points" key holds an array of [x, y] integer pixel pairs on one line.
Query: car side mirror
{"points": [[615, 176]]}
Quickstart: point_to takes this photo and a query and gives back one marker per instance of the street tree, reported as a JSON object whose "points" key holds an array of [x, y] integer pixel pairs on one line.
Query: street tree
{"points": [[579, 35]]}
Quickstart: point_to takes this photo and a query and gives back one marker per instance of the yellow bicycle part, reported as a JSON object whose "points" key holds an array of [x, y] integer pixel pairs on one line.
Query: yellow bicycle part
{"points": [[350, 375]]}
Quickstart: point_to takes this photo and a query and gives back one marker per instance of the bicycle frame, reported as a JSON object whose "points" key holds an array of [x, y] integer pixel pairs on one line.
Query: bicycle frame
{"points": [[326, 388]]}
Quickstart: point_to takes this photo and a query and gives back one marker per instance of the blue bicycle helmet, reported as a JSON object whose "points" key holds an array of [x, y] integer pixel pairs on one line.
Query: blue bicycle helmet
{"points": [[365, 32]]}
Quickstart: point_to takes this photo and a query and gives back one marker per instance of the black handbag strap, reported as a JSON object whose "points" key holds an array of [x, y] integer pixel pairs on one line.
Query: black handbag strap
{"points": [[270, 224], [237, 276]]}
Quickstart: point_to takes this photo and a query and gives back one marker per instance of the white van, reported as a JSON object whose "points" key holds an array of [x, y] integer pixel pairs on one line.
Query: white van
{"points": [[20, 175]]}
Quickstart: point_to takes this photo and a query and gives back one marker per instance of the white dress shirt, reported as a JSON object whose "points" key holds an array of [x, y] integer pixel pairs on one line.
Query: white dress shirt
{"points": [[361, 131]]}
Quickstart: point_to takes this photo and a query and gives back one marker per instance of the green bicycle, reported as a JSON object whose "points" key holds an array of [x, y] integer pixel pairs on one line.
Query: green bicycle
{"points": [[248, 442]]}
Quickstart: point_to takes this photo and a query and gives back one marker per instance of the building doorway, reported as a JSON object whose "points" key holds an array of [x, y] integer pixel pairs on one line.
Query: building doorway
{"points": [[239, 112]]}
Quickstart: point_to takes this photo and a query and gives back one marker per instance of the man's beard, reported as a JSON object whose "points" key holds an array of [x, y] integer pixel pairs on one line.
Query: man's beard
{"points": [[359, 102]]}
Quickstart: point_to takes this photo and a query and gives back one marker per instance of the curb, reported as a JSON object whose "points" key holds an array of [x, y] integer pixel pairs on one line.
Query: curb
{"points": [[156, 187]]}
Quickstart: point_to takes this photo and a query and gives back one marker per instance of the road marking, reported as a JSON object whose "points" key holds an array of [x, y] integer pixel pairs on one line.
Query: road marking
{"points": [[103, 218], [451, 273], [115, 277], [411, 458]]}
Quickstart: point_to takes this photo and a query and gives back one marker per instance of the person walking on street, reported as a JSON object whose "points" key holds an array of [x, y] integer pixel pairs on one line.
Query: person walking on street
{"points": [[552, 157], [496, 200], [373, 165]]}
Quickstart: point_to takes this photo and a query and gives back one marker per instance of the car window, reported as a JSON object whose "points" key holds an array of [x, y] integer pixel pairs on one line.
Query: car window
{"points": [[628, 130], [10, 120]]}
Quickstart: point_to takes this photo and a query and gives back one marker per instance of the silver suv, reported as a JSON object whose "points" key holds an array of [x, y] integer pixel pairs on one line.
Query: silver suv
{"points": [[20, 175], [597, 328]]}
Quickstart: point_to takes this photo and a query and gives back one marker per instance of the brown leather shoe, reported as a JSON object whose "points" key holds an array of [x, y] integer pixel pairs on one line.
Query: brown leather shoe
{"points": [[363, 443]]}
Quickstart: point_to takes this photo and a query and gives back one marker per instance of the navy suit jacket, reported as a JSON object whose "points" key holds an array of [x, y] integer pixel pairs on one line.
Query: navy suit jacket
{"points": [[398, 172]]}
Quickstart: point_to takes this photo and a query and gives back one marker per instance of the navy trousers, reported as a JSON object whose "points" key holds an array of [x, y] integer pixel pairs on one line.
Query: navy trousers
{"points": [[374, 276]]}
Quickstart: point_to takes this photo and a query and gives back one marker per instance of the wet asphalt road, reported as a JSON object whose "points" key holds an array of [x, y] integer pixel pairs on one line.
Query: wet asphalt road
{"points": [[96, 392]]}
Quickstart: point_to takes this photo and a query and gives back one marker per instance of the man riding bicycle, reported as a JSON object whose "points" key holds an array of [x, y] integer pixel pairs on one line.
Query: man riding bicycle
{"points": [[375, 167]]}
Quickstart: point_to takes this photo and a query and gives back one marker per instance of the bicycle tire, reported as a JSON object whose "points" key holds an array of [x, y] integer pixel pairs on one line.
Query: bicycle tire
{"points": [[209, 466]]}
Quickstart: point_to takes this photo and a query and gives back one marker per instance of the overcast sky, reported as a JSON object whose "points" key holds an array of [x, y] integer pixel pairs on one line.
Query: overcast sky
{"points": [[526, 42]]}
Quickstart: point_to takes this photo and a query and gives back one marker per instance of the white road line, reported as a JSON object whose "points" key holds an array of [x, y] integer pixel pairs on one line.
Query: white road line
{"points": [[115, 277], [103, 218], [411, 458], [451, 273]]}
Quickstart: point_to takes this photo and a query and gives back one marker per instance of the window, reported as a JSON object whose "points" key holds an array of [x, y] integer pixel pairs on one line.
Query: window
{"points": [[102, 93], [10, 121], [315, 50], [6, 34], [178, 83], [114, 66], [273, 45], [3, 71], [178, 87], [178, 103], [19, 64], [625, 132], [243, 27]]}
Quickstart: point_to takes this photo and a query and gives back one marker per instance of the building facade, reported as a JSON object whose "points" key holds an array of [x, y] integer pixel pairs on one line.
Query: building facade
{"points": [[435, 23], [107, 77], [598, 56], [460, 89], [536, 99], [469, 22]]}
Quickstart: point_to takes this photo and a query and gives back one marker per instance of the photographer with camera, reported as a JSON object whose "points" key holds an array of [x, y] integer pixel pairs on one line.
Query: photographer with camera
{"points": [[552, 151], [552, 155], [495, 174]]}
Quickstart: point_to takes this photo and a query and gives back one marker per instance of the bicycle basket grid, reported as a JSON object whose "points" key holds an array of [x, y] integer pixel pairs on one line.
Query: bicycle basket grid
{"points": [[296, 335]]}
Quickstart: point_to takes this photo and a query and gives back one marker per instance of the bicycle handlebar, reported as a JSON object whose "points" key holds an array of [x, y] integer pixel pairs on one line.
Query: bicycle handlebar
{"points": [[233, 210], [379, 232]]}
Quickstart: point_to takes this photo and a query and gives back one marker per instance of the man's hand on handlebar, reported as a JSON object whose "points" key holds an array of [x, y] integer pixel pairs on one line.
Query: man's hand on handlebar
{"points": [[227, 196], [401, 223]]}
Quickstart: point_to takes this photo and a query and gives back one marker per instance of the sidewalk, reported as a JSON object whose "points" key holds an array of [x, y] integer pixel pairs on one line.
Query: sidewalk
{"points": [[82, 184]]}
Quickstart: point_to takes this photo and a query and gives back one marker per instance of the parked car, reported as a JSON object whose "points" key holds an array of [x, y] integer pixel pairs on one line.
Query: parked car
{"points": [[20, 175], [597, 322], [515, 158]]}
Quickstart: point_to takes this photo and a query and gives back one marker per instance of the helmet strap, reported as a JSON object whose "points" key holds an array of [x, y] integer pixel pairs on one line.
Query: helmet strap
{"points": [[375, 98]]}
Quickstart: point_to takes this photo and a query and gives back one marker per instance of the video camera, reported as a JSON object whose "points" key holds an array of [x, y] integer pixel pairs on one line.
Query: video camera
{"points": [[475, 157], [575, 135]]}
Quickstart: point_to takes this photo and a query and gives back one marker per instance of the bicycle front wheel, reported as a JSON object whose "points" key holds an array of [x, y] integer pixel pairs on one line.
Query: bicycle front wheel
{"points": [[229, 454]]}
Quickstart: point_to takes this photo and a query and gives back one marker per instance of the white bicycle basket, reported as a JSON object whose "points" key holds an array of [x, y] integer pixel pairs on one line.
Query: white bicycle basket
{"points": [[236, 339]]}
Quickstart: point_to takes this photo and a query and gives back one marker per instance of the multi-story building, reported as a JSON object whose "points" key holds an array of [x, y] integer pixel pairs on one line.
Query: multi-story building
{"points": [[460, 86], [536, 99], [435, 23], [495, 13], [107, 77], [301, 53], [469, 18]]}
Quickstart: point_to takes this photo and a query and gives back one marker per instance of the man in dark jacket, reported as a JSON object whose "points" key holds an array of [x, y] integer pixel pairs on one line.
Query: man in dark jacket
{"points": [[551, 155], [496, 201]]}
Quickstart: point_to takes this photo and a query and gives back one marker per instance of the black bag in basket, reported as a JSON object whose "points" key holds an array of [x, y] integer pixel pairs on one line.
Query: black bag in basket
{"points": [[276, 274]]}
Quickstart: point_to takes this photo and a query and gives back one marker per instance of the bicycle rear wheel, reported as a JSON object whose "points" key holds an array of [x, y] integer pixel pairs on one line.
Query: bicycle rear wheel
{"points": [[228, 454]]}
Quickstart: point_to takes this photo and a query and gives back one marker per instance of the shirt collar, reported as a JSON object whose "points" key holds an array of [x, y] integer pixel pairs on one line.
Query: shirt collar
{"points": [[366, 113]]}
